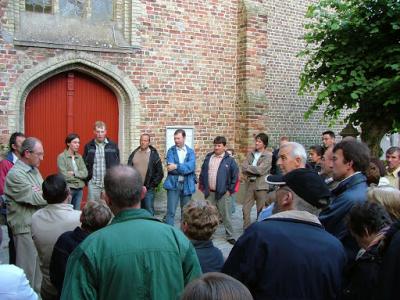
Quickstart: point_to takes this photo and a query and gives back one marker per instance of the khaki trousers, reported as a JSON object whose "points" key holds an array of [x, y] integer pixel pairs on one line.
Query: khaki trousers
{"points": [[224, 206], [28, 259], [252, 195]]}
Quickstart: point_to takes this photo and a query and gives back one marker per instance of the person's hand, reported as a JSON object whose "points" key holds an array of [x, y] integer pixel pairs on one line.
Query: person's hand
{"points": [[171, 167], [70, 173]]}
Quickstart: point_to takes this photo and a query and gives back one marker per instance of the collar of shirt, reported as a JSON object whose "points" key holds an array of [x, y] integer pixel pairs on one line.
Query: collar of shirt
{"points": [[147, 150], [15, 158], [27, 168], [103, 143], [218, 156], [394, 172], [181, 149]]}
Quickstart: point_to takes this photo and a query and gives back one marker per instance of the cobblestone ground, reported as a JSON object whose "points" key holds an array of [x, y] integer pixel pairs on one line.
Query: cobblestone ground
{"points": [[161, 207]]}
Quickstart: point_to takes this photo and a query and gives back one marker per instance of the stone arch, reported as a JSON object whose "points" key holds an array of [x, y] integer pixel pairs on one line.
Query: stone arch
{"points": [[126, 93]]}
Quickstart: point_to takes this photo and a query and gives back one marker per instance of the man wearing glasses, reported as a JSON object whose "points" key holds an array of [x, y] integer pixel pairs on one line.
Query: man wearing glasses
{"points": [[23, 192]]}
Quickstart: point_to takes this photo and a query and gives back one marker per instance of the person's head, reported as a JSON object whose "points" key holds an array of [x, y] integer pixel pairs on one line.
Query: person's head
{"points": [[328, 138], [292, 156], [230, 151], [219, 145], [327, 162], [261, 141], [200, 219], [365, 220], [393, 158], [213, 285], [144, 141], [387, 196], [123, 188], [300, 189], [283, 140], [316, 152], [32, 152], [95, 215], [372, 174], [100, 131], [179, 138], [72, 141], [15, 142], [55, 189], [349, 157]]}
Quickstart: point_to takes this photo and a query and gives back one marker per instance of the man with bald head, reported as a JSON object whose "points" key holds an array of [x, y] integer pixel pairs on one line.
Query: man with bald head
{"points": [[23, 192], [136, 256]]}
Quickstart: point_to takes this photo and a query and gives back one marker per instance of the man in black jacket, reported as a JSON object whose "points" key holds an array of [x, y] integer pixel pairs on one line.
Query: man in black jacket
{"points": [[100, 154], [146, 160]]}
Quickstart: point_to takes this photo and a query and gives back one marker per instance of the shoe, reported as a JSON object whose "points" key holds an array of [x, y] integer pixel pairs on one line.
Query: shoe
{"points": [[231, 241]]}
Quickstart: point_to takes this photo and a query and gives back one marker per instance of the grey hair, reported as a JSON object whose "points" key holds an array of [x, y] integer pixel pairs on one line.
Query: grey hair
{"points": [[28, 145], [95, 215], [300, 203], [296, 150]]}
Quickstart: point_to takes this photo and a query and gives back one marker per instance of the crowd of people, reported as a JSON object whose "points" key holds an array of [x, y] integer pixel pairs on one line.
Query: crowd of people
{"points": [[327, 221]]}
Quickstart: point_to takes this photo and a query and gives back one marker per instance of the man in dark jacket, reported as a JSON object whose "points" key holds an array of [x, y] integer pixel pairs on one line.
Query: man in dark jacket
{"points": [[14, 146], [350, 159], [146, 160], [95, 215], [218, 177], [289, 255], [99, 155]]}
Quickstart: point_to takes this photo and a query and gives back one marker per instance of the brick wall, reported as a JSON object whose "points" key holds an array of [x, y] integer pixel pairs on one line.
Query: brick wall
{"points": [[225, 67]]}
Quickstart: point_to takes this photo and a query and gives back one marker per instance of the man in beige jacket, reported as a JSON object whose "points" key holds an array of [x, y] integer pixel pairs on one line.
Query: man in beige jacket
{"points": [[23, 192], [255, 167], [49, 223]]}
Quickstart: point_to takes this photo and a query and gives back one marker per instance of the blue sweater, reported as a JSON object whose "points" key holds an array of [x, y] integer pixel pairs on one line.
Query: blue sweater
{"points": [[285, 258]]}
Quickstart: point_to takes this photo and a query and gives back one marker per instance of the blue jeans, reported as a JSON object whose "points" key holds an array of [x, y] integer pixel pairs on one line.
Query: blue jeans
{"points": [[76, 198], [148, 201], [173, 198]]}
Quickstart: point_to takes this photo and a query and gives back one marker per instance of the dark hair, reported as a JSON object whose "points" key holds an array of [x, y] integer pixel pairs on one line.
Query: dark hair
{"points": [[70, 137], [318, 149], [13, 139], [330, 132], [356, 152], [28, 145], [220, 140], [146, 134], [55, 189], [263, 137], [213, 285], [393, 149], [372, 173], [123, 185], [380, 165], [95, 215], [178, 131], [368, 215]]}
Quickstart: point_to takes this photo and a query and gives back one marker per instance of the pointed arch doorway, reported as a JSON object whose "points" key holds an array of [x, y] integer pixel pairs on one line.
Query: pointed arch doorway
{"points": [[68, 102]]}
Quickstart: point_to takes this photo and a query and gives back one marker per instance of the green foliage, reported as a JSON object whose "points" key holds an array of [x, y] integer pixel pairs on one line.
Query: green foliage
{"points": [[353, 60]]}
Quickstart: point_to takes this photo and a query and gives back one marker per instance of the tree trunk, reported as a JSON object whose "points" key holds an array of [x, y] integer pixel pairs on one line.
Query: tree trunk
{"points": [[372, 133]]}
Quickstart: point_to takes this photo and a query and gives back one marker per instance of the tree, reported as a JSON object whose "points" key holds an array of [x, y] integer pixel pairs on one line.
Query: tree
{"points": [[353, 64]]}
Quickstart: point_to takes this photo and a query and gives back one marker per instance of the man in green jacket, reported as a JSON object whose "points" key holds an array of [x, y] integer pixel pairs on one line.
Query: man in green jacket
{"points": [[23, 191], [136, 256]]}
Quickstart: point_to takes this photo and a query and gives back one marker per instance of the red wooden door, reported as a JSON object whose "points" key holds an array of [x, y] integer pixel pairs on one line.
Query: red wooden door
{"points": [[68, 102]]}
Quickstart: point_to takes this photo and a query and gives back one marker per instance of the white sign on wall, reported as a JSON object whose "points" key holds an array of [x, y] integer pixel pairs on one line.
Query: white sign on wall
{"points": [[169, 136]]}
